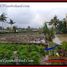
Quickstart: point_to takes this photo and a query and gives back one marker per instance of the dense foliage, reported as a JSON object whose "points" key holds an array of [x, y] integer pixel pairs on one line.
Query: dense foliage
{"points": [[48, 32], [59, 25], [28, 53], [62, 49]]}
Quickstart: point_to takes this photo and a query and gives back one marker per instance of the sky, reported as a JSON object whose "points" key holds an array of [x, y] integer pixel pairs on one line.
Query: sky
{"points": [[33, 14]]}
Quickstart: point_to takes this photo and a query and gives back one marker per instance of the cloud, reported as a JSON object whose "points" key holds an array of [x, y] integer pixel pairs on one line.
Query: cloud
{"points": [[36, 14]]}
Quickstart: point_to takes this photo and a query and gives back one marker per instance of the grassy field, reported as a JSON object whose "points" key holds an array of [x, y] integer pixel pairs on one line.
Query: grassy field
{"points": [[29, 54]]}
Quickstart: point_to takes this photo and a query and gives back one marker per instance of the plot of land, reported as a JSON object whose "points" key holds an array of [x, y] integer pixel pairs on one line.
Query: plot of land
{"points": [[21, 38], [21, 52], [62, 37]]}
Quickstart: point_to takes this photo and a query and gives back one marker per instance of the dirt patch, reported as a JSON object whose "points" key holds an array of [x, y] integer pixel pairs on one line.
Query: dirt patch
{"points": [[62, 37], [20, 38]]}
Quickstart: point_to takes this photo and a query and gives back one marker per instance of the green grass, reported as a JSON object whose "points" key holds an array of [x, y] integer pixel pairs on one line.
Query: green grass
{"points": [[24, 51], [29, 51]]}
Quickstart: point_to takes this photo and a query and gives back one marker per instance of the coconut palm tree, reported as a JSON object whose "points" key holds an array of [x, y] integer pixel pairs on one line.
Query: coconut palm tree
{"points": [[11, 22], [54, 21], [48, 32], [3, 18]]}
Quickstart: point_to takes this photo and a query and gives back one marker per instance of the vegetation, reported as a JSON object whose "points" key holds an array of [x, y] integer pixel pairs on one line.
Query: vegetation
{"points": [[48, 32], [54, 21], [30, 52], [49, 35], [2, 18], [62, 49], [59, 25]]}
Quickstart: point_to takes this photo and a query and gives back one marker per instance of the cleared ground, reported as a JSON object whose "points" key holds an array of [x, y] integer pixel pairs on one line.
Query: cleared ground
{"points": [[20, 37], [62, 37]]}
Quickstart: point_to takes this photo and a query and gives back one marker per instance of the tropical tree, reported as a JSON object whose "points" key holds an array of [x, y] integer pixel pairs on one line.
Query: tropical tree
{"points": [[60, 27], [3, 18], [54, 21], [64, 26], [11, 23], [14, 28], [49, 34]]}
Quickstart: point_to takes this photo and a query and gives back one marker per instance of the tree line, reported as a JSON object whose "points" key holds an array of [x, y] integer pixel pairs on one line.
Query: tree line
{"points": [[59, 25], [3, 19]]}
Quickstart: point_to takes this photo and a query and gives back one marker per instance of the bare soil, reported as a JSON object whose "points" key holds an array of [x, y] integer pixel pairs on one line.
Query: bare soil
{"points": [[19, 38], [62, 37]]}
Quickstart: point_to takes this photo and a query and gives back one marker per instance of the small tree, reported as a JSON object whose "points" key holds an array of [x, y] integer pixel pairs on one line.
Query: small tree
{"points": [[3, 18], [54, 22], [14, 28], [49, 34], [11, 23], [64, 29]]}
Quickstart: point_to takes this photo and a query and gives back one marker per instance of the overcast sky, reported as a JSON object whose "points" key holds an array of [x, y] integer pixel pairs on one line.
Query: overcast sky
{"points": [[33, 14]]}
